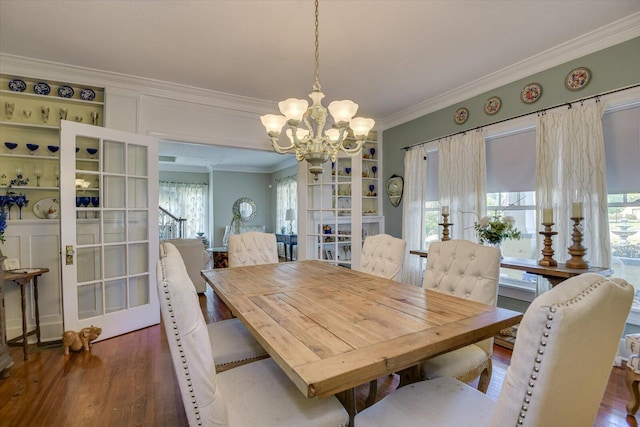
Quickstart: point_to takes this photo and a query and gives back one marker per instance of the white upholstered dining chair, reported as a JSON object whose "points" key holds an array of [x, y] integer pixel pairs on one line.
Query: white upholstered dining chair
{"points": [[252, 248], [383, 255], [195, 259], [560, 366], [254, 394], [467, 270], [236, 344]]}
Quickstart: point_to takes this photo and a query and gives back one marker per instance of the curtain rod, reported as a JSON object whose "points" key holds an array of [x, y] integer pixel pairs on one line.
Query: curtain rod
{"points": [[542, 110]]}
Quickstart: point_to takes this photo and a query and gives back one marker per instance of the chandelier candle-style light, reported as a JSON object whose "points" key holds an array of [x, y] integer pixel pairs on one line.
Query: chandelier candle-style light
{"points": [[314, 144]]}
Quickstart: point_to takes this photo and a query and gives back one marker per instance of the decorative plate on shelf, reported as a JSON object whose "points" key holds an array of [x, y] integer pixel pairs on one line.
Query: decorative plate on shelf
{"points": [[492, 105], [65, 91], [577, 78], [461, 115], [41, 88], [531, 93], [47, 208], [87, 94], [17, 85]]}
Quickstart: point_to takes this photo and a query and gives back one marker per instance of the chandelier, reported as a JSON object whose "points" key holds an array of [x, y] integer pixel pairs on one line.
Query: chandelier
{"points": [[311, 142]]}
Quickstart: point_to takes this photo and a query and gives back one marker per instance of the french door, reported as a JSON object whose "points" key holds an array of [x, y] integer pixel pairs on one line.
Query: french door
{"points": [[108, 229]]}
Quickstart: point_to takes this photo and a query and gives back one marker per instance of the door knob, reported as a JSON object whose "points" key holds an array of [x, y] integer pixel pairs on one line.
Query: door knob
{"points": [[69, 252]]}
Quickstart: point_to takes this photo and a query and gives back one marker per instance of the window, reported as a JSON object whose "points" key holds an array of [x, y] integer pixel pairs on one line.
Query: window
{"points": [[511, 180], [287, 198], [621, 128], [432, 215], [186, 200]]}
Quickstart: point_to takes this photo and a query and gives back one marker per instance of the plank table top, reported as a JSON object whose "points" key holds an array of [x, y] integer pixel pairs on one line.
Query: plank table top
{"points": [[331, 329]]}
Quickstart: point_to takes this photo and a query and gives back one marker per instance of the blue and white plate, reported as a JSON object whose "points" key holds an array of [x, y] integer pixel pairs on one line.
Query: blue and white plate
{"points": [[87, 94], [65, 91], [41, 88], [17, 85]]}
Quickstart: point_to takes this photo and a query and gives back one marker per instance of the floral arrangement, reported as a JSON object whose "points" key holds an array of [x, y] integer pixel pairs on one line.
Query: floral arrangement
{"points": [[495, 229], [3, 223]]}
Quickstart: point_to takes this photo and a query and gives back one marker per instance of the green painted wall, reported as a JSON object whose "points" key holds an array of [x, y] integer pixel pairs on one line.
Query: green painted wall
{"points": [[230, 186], [611, 68]]}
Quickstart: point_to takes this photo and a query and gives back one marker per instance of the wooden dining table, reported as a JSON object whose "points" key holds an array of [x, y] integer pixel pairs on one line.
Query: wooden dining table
{"points": [[331, 329]]}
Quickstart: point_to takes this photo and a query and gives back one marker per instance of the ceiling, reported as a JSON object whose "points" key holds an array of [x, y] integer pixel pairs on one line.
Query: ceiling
{"points": [[388, 56]]}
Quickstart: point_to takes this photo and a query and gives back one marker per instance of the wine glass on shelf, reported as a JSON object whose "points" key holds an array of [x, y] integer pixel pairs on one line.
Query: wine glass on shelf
{"points": [[372, 151], [53, 149], [8, 202], [33, 148], [38, 173], [374, 169], [92, 152], [84, 201], [21, 201], [10, 145], [348, 170], [95, 202], [371, 188], [78, 204]]}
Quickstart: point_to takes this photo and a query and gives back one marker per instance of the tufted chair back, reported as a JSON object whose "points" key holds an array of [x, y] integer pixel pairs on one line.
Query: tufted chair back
{"points": [[560, 367], [464, 269], [383, 255], [562, 359], [252, 248], [188, 341]]}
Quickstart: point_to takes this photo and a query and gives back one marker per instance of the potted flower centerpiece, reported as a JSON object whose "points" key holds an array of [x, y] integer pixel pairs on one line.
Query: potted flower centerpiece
{"points": [[495, 229]]}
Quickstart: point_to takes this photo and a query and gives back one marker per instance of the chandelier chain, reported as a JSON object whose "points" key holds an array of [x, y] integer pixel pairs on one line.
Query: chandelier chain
{"points": [[316, 85]]}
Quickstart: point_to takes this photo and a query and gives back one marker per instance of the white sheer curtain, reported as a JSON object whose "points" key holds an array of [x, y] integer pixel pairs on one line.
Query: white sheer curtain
{"points": [[186, 200], [286, 198], [462, 179], [415, 183], [571, 168]]}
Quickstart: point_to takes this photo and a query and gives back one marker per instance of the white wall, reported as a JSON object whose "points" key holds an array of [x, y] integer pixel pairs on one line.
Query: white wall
{"points": [[162, 109]]}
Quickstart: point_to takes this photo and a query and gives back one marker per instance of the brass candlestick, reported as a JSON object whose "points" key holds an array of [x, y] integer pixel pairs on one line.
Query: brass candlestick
{"points": [[445, 227], [576, 250], [547, 252]]}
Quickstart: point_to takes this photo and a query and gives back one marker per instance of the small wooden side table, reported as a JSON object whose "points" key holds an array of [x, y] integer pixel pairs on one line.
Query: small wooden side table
{"points": [[22, 277], [290, 240], [6, 362], [220, 256]]}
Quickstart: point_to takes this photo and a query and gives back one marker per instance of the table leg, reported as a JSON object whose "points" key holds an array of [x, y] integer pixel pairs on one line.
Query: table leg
{"points": [[25, 345], [350, 404], [35, 298], [632, 380]]}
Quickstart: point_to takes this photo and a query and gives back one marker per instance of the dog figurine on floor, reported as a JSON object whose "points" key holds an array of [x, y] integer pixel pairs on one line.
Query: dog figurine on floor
{"points": [[78, 340]]}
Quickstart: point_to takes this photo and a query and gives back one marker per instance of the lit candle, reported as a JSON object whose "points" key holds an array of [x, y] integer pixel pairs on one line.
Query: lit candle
{"points": [[576, 210], [445, 210], [547, 216]]}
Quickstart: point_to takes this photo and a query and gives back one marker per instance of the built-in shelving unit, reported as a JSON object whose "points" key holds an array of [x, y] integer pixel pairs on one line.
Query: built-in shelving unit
{"points": [[31, 122], [342, 206]]}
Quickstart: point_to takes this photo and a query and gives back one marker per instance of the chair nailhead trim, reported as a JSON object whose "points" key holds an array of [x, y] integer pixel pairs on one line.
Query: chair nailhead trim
{"points": [[543, 343], [185, 366]]}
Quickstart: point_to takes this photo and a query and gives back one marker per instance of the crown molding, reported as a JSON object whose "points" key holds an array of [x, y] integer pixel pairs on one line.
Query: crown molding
{"points": [[609, 35], [128, 85]]}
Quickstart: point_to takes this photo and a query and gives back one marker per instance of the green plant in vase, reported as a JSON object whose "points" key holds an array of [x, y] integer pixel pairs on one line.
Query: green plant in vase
{"points": [[495, 229]]}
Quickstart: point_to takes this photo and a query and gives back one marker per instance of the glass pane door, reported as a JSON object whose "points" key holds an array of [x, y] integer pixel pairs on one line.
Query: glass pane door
{"points": [[109, 213]]}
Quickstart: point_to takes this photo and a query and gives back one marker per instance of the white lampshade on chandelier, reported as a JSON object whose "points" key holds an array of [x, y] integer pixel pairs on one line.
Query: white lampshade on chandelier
{"points": [[312, 143]]}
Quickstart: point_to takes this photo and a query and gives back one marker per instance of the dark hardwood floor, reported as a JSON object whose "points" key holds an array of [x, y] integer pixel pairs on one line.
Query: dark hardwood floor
{"points": [[129, 381]]}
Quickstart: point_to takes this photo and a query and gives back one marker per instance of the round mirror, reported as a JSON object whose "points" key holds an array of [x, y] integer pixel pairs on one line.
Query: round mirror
{"points": [[245, 208], [395, 186]]}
